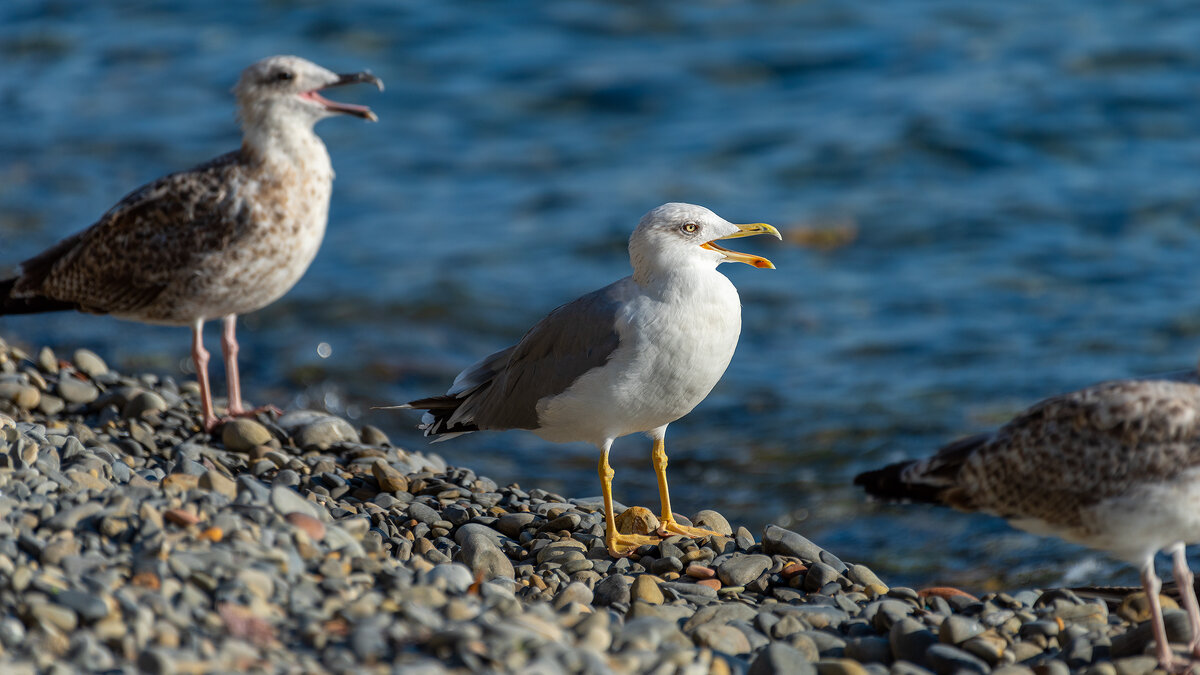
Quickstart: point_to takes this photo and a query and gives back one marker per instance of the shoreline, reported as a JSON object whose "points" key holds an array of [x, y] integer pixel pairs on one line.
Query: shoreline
{"points": [[131, 541]]}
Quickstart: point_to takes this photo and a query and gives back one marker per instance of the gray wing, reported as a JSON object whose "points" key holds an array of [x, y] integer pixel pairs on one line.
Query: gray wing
{"points": [[503, 390], [1077, 449], [150, 238]]}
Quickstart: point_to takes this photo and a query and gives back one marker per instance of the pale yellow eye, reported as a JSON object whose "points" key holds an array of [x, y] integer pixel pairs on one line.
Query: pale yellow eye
{"points": [[690, 228]]}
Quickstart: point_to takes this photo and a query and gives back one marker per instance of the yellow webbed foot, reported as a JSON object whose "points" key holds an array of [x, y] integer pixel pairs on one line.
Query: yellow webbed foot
{"points": [[669, 527], [625, 545]]}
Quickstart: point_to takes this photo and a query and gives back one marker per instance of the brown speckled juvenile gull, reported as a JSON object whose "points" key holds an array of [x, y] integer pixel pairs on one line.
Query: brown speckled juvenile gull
{"points": [[225, 238], [1115, 467]]}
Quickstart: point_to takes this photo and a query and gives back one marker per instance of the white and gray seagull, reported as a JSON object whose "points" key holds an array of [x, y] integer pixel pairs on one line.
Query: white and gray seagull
{"points": [[1115, 467], [225, 238], [631, 357]]}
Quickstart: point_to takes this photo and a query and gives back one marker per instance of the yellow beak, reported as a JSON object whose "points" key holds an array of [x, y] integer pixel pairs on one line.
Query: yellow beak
{"points": [[745, 231]]}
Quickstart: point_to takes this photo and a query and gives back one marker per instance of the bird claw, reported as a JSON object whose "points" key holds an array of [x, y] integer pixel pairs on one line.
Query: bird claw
{"points": [[625, 545], [669, 527]]}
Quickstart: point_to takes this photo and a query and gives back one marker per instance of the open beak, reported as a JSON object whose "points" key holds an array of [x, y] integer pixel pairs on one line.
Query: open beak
{"points": [[347, 108], [745, 231]]}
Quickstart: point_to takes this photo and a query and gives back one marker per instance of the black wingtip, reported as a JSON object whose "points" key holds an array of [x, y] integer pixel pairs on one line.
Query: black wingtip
{"points": [[888, 484]]}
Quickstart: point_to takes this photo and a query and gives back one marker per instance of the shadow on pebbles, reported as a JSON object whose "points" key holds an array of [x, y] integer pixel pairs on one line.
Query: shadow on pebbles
{"points": [[131, 541]]}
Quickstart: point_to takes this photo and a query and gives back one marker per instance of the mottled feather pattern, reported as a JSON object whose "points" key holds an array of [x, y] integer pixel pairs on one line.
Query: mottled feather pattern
{"points": [[198, 243], [1062, 456]]}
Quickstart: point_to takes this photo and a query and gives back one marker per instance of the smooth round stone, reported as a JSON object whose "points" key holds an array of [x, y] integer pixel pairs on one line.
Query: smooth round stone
{"points": [[740, 570], [958, 629], [321, 434], [870, 649], [12, 632], [286, 500], [89, 607], [73, 390], [311, 526], [244, 434], [722, 638], [485, 560], [947, 660], [574, 592], [818, 575], [143, 402], [47, 361], [711, 520], [456, 577], [423, 514], [612, 590], [511, 524], [785, 542], [910, 640], [645, 588], [24, 396], [89, 363], [781, 659], [51, 405], [840, 667]]}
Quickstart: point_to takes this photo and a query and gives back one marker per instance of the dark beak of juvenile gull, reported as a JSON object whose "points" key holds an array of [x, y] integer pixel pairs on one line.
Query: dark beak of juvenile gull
{"points": [[748, 230], [347, 108]]}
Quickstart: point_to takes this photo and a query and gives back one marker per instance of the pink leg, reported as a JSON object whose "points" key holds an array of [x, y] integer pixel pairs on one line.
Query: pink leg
{"points": [[229, 347], [1187, 590], [1162, 648], [200, 358]]}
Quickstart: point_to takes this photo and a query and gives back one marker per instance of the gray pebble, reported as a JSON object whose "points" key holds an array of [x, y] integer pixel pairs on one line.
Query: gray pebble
{"points": [[740, 570], [74, 390], [777, 540], [948, 660]]}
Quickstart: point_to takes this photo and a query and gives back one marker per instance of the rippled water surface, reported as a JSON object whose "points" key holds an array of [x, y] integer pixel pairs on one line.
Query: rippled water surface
{"points": [[1009, 190]]}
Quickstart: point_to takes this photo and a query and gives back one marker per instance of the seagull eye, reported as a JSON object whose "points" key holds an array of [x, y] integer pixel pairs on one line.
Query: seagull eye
{"points": [[284, 76], [689, 228]]}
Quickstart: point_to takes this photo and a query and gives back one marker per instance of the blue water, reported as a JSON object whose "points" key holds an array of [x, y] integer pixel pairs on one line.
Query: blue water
{"points": [[1020, 181]]}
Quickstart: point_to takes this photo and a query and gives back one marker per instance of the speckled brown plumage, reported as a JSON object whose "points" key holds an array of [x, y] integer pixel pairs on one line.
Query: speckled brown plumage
{"points": [[1115, 467], [225, 238]]}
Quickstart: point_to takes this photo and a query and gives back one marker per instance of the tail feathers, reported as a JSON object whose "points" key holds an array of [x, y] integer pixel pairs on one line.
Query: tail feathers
{"points": [[440, 416], [933, 480], [10, 304]]}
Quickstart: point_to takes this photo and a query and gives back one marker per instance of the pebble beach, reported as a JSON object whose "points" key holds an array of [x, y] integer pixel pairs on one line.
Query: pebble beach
{"points": [[132, 541]]}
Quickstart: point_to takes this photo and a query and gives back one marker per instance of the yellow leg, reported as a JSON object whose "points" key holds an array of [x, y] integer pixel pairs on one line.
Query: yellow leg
{"points": [[619, 545], [667, 524]]}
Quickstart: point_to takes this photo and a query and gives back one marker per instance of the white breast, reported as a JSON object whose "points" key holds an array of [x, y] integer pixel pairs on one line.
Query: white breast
{"points": [[676, 342]]}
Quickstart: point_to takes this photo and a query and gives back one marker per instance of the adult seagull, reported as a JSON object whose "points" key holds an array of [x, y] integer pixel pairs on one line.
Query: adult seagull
{"points": [[631, 357], [228, 237]]}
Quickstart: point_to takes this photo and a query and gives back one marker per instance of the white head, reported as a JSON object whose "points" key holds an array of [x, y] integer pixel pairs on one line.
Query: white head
{"points": [[677, 236], [282, 91]]}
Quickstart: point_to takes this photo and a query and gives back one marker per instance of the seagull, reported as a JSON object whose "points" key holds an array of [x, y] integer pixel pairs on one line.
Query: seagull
{"points": [[1115, 467], [225, 238], [631, 357]]}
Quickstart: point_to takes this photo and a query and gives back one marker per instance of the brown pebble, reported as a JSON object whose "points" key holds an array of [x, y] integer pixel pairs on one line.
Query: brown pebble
{"points": [[180, 481], [714, 584], [181, 517], [700, 572], [389, 479], [314, 528], [944, 592], [148, 580], [792, 569], [213, 534], [637, 520]]}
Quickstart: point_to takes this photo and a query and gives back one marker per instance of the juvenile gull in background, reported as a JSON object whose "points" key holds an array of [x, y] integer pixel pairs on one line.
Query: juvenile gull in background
{"points": [[631, 357], [1115, 467], [225, 238]]}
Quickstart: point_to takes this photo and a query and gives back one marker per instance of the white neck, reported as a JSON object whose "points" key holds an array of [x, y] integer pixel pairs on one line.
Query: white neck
{"points": [[290, 141]]}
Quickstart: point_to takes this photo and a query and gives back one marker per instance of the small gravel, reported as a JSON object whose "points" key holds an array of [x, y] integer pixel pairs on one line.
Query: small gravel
{"points": [[132, 541]]}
